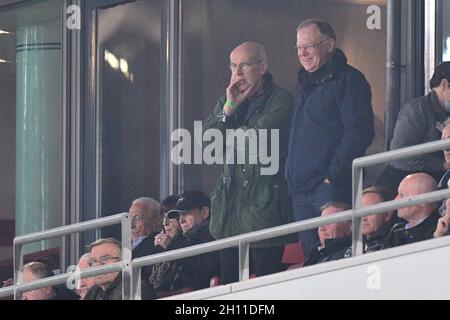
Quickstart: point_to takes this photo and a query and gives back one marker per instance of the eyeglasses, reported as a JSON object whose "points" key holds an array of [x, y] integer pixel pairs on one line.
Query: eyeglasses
{"points": [[137, 219], [310, 46], [102, 260], [244, 66]]}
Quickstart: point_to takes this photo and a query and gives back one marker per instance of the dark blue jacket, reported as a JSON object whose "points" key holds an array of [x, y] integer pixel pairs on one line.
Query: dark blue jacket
{"points": [[332, 124]]}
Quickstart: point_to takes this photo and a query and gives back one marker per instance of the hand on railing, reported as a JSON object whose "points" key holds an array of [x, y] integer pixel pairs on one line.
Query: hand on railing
{"points": [[8, 282]]}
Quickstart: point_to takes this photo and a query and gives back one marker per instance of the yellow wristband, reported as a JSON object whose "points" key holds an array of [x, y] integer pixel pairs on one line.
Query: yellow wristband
{"points": [[230, 104]]}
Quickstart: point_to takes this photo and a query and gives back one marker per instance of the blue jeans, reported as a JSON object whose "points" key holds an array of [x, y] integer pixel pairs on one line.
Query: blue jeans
{"points": [[306, 205]]}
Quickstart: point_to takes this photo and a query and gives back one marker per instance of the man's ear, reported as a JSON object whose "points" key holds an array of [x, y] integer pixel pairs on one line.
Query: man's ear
{"points": [[263, 67], [205, 213], [444, 83], [331, 45]]}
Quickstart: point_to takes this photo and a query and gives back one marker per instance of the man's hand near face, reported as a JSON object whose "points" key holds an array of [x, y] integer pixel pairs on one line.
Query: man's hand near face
{"points": [[237, 91], [442, 225]]}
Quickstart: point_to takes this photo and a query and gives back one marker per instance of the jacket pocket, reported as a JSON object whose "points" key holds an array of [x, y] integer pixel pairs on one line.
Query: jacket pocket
{"points": [[218, 209]]}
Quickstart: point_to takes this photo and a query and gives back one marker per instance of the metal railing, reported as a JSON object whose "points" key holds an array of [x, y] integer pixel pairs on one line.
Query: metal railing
{"points": [[132, 280], [124, 265], [357, 178]]}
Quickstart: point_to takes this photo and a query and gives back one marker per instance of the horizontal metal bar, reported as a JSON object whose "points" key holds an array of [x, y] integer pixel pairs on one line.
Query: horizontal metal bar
{"points": [[234, 241], [7, 292], [290, 228], [402, 153], [69, 229], [62, 278], [434, 196]]}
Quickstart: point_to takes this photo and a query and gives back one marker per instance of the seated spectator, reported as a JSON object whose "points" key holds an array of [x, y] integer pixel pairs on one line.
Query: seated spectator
{"points": [[84, 284], [442, 228], [420, 120], [109, 286], [445, 135], [33, 271], [145, 225], [192, 210], [443, 182], [421, 220], [375, 227], [163, 274], [334, 238]]}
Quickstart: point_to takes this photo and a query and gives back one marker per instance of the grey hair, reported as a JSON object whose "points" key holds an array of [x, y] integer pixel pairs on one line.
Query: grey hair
{"points": [[150, 203], [84, 256], [106, 241], [324, 27], [154, 208]]}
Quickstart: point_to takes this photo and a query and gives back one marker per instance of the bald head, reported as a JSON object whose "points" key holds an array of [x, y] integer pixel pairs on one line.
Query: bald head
{"points": [[413, 185], [421, 182], [252, 50]]}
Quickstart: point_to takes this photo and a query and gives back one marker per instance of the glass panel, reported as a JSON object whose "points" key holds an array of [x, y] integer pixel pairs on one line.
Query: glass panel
{"points": [[212, 28], [444, 17], [30, 121], [129, 51]]}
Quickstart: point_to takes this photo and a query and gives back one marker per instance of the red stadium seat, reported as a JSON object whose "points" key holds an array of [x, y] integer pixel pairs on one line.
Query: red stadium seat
{"points": [[293, 254]]}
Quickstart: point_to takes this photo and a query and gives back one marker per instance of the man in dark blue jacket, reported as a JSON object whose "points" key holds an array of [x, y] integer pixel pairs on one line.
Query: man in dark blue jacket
{"points": [[332, 124]]}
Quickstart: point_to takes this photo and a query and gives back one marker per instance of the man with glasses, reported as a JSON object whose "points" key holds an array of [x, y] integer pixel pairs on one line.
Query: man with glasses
{"points": [[332, 124], [109, 286], [245, 198]]}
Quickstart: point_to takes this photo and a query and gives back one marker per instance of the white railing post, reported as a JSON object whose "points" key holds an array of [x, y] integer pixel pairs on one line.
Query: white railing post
{"points": [[244, 260], [127, 270], [137, 284], [357, 184], [18, 267]]}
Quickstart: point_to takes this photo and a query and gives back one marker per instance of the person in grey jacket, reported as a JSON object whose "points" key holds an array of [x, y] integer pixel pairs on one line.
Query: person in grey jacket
{"points": [[421, 120]]}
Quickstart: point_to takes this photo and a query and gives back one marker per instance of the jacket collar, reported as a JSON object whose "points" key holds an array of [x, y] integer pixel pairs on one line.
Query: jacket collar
{"points": [[325, 72], [437, 108], [338, 242], [197, 231]]}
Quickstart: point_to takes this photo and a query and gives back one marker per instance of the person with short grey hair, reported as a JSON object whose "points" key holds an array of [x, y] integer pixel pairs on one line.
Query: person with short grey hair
{"points": [[83, 285], [36, 270], [109, 286], [334, 238], [332, 124], [145, 224]]}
